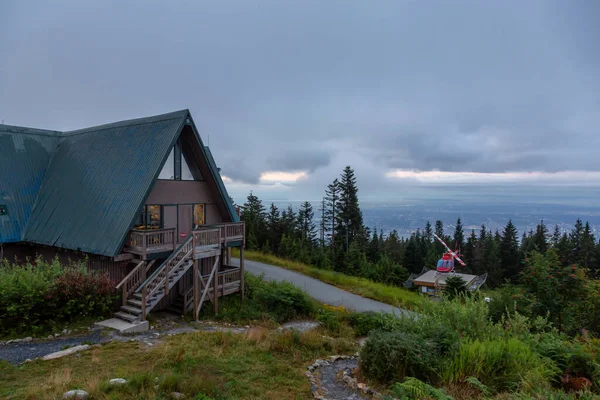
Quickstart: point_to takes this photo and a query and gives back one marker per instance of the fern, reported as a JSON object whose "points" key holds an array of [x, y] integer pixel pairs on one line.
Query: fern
{"points": [[471, 380], [413, 388]]}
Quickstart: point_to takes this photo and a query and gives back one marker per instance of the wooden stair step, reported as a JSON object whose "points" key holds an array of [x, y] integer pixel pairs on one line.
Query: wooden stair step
{"points": [[126, 316], [135, 303], [132, 310]]}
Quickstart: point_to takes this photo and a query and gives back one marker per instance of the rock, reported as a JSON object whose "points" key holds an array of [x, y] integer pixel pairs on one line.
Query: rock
{"points": [[76, 395], [56, 334], [64, 331], [177, 395], [27, 339], [10, 341], [50, 337], [28, 360], [362, 386], [117, 381], [66, 352]]}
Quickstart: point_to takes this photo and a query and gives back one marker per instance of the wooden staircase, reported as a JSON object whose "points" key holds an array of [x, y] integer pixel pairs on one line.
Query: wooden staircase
{"points": [[139, 302]]}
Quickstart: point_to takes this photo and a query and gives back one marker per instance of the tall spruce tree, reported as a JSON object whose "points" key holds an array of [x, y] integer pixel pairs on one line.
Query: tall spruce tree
{"points": [[575, 237], [540, 238], [274, 228], [587, 253], [350, 216], [253, 214], [510, 254], [555, 239], [331, 215], [306, 225], [459, 235]]}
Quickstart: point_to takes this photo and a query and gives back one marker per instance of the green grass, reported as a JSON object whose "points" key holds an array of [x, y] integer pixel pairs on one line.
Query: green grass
{"points": [[260, 364], [363, 287]]}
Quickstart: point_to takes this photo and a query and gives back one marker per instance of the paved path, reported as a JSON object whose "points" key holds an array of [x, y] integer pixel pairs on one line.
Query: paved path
{"points": [[318, 290]]}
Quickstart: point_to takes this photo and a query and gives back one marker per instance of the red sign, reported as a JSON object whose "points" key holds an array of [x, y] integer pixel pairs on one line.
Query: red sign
{"points": [[182, 234]]}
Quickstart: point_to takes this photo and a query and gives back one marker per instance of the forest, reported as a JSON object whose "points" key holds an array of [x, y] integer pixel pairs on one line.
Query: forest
{"points": [[540, 272]]}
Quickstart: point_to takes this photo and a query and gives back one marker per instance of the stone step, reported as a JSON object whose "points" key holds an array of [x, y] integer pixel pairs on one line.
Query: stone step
{"points": [[132, 310], [126, 316]]}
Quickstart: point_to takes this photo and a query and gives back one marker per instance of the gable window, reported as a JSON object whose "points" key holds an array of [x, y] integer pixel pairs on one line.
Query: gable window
{"points": [[150, 217], [199, 215], [180, 165]]}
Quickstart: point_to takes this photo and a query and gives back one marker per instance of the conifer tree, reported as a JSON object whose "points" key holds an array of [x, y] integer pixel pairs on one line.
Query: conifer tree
{"points": [[540, 238], [587, 253], [459, 235], [510, 254], [253, 214], [575, 237], [306, 225], [274, 228], [350, 216], [555, 239], [331, 215]]}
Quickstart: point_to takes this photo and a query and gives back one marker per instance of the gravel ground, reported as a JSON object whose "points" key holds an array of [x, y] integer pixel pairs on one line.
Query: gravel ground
{"points": [[333, 387], [16, 353]]}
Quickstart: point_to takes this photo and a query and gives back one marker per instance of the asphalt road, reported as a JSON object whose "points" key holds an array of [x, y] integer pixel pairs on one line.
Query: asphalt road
{"points": [[318, 290]]}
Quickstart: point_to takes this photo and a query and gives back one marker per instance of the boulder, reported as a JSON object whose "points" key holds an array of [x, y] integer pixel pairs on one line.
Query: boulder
{"points": [[76, 395]]}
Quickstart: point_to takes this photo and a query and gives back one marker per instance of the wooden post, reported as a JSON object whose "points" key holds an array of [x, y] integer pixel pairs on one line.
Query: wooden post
{"points": [[242, 271], [216, 288], [196, 295]]}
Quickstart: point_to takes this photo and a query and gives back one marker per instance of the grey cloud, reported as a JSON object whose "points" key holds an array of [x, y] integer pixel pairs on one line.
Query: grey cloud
{"points": [[458, 86]]}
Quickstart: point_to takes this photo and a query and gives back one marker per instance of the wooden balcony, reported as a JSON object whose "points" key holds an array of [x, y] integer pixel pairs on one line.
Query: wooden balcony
{"points": [[145, 242], [207, 241], [210, 239]]}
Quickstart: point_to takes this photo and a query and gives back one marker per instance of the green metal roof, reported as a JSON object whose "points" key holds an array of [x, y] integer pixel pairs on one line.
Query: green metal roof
{"points": [[24, 156], [97, 180]]}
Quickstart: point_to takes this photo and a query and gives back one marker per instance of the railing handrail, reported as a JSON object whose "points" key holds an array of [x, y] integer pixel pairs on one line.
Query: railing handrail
{"points": [[152, 230], [164, 264], [159, 284], [129, 275]]}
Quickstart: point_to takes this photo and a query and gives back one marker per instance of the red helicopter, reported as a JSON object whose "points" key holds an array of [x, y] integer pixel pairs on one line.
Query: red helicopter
{"points": [[446, 263]]}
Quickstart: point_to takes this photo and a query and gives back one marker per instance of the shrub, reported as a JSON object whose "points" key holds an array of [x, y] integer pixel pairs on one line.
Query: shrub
{"points": [[455, 287], [391, 356], [499, 364], [365, 322], [275, 301], [413, 388], [38, 295], [509, 299]]}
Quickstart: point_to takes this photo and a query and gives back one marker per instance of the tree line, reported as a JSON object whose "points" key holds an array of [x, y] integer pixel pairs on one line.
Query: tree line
{"points": [[340, 240]]}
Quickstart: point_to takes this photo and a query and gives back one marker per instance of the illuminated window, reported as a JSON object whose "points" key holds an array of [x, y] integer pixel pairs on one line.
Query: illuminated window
{"points": [[150, 218], [199, 215]]}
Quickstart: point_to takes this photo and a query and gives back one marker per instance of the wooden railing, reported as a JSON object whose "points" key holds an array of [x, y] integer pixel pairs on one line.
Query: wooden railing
{"points": [[160, 278], [225, 278], [144, 242], [206, 240], [133, 280], [235, 232]]}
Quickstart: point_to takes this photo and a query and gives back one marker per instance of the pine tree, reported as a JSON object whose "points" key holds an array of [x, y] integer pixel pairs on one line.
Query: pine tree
{"points": [[274, 228], [510, 255], [331, 215], [469, 253], [322, 222], [575, 237], [587, 253], [439, 231], [540, 238], [351, 219], [374, 251], [305, 225], [555, 239], [253, 214], [459, 236], [428, 232], [564, 250]]}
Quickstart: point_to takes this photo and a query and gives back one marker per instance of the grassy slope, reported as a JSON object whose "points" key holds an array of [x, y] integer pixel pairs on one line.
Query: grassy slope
{"points": [[257, 365], [377, 291]]}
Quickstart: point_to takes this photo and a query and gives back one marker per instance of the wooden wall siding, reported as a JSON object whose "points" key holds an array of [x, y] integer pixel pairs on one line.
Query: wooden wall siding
{"points": [[117, 270], [181, 192]]}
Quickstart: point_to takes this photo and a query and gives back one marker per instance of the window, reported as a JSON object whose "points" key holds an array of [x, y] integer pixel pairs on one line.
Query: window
{"points": [[199, 215], [168, 171], [150, 218], [180, 165]]}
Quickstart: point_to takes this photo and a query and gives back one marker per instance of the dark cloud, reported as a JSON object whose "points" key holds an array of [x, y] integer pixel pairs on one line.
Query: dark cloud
{"points": [[308, 85]]}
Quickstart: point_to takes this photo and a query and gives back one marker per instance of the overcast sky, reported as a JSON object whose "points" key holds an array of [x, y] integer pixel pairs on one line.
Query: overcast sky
{"points": [[412, 94]]}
